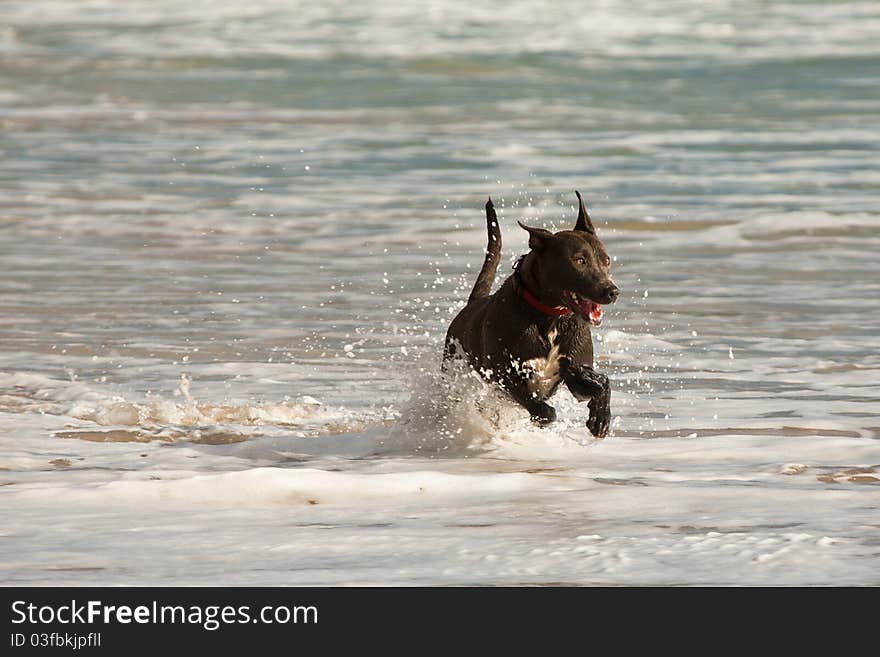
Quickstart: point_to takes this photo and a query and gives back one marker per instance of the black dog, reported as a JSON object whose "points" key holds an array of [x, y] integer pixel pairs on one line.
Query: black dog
{"points": [[534, 332]]}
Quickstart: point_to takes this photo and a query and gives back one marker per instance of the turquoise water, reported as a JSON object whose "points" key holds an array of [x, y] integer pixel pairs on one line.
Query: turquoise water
{"points": [[230, 228]]}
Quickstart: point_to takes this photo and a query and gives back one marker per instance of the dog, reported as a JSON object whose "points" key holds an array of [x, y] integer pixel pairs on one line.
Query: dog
{"points": [[534, 333]]}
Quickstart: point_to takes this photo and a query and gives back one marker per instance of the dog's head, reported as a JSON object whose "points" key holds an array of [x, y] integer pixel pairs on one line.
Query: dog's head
{"points": [[572, 267]]}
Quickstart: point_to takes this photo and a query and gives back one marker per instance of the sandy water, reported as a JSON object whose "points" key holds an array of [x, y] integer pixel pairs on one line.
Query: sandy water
{"points": [[232, 238]]}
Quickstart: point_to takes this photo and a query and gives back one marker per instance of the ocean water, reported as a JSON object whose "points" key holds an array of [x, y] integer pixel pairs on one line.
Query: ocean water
{"points": [[233, 234]]}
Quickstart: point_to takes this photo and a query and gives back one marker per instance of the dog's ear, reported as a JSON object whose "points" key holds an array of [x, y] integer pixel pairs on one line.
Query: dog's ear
{"points": [[538, 237], [584, 222]]}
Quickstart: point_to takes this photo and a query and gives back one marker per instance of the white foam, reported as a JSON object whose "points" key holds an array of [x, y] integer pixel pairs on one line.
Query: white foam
{"points": [[32, 393], [293, 486]]}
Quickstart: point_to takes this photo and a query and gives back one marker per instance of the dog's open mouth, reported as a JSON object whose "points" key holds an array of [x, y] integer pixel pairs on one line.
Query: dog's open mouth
{"points": [[588, 309]]}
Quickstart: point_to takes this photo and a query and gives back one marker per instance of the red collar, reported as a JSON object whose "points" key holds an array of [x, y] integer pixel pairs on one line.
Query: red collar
{"points": [[553, 311]]}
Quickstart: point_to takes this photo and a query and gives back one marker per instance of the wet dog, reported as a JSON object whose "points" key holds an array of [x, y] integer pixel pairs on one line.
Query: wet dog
{"points": [[534, 333]]}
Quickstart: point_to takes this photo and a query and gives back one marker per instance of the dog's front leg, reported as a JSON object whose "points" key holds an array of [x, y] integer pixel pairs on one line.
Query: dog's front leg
{"points": [[600, 412], [541, 412], [586, 383]]}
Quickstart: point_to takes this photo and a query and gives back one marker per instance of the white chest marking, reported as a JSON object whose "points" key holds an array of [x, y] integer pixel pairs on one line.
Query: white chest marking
{"points": [[544, 372]]}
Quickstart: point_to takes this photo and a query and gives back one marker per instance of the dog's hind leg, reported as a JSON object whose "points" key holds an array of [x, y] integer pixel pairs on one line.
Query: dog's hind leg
{"points": [[452, 350], [448, 355]]}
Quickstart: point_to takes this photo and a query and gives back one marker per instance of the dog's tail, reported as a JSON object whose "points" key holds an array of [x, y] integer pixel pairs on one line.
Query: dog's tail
{"points": [[486, 277]]}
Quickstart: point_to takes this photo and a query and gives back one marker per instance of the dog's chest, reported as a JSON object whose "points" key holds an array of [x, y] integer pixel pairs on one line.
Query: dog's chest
{"points": [[544, 371]]}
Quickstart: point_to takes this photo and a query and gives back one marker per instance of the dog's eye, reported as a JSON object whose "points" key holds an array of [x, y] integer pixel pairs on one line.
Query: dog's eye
{"points": [[580, 261], [607, 261]]}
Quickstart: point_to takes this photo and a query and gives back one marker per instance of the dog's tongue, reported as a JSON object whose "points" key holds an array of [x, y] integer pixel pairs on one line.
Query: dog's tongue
{"points": [[591, 310]]}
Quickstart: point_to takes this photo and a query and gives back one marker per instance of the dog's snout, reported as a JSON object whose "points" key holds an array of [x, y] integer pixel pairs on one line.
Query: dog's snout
{"points": [[611, 293]]}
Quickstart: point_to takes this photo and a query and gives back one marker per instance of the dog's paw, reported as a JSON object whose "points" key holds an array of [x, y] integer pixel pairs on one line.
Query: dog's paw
{"points": [[600, 416], [543, 415]]}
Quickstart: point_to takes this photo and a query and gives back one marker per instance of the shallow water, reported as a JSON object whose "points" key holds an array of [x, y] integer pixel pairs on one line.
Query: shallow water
{"points": [[233, 236]]}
